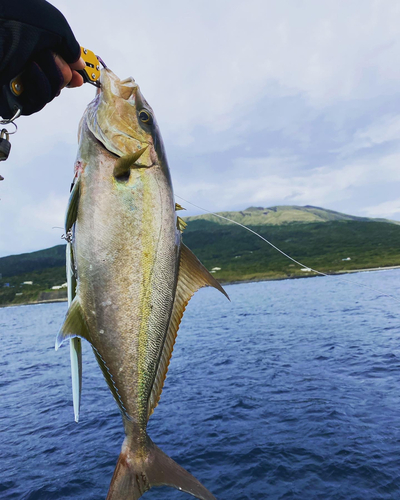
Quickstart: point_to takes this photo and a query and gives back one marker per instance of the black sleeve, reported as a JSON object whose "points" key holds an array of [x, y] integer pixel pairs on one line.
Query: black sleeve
{"points": [[30, 30]]}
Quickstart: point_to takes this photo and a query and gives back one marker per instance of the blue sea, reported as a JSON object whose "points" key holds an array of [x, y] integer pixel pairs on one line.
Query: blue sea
{"points": [[289, 391]]}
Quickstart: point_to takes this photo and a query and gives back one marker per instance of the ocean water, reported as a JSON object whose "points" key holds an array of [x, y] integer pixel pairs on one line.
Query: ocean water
{"points": [[290, 391]]}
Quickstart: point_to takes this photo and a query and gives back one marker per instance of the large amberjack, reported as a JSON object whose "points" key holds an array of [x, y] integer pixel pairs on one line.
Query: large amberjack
{"points": [[134, 276]]}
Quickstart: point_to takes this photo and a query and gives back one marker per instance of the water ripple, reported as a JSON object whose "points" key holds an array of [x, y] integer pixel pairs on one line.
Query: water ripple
{"points": [[288, 392]]}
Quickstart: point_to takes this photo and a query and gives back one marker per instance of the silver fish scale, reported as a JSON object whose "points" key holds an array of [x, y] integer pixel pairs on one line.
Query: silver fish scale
{"points": [[114, 284]]}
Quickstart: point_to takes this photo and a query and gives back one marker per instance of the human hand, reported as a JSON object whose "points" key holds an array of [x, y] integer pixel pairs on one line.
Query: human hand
{"points": [[69, 72], [38, 46], [42, 80]]}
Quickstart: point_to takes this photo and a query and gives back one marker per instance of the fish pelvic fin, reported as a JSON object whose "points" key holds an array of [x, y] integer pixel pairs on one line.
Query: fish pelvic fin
{"points": [[137, 472], [74, 325], [192, 276]]}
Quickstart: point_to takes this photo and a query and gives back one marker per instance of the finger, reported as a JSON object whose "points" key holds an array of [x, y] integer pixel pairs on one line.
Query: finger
{"points": [[42, 81], [76, 80], [79, 64], [64, 69]]}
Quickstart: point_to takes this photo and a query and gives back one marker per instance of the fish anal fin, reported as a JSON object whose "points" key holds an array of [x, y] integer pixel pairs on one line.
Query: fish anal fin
{"points": [[73, 204], [110, 382], [74, 324], [192, 276]]}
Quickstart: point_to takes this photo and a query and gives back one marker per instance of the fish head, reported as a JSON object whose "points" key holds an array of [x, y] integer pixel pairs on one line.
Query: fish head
{"points": [[123, 121]]}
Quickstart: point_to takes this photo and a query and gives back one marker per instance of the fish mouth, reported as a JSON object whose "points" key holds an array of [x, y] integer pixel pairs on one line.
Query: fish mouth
{"points": [[112, 119], [110, 84]]}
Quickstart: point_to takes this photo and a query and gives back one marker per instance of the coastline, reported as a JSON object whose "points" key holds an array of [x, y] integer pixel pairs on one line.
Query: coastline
{"points": [[309, 274], [34, 302]]}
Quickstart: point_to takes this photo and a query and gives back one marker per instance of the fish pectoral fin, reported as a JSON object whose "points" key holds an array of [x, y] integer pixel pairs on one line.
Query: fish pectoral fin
{"points": [[192, 276], [73, 203], [138, 471], [74, 324], [124, 164]]}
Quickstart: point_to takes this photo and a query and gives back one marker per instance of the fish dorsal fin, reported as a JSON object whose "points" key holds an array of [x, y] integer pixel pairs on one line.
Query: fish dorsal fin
{"points": [[73, 203], [180, 224], [191, 277], [74, 324]]}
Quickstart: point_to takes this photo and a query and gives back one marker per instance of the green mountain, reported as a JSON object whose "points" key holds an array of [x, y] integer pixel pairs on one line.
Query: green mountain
{"points": [[325, 240], [285, 214], [14, 265]]}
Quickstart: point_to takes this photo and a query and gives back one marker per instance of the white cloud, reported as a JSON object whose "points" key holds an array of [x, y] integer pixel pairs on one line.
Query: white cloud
{"points": [[36, 225], [199, 68], [385, 129], [280, 180], [259, 102], [388, 209]]}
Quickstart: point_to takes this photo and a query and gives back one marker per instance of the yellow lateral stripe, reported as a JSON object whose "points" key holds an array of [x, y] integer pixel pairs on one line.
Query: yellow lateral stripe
{"points": [[192, 276], [148, 251]]}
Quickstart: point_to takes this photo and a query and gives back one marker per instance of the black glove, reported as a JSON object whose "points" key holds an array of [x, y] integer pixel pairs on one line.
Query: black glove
{"points": [[30, 32]]}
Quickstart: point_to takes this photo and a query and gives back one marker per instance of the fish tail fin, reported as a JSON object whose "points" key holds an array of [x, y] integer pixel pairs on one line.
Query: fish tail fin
{"points": [[135, 474]]}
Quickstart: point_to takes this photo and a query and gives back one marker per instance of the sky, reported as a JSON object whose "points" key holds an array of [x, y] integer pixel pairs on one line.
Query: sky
{"points": [[260, 103]]}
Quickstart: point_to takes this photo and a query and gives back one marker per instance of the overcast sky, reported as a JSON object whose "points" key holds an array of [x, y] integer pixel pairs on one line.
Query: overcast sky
{"points": [[283, 102]]}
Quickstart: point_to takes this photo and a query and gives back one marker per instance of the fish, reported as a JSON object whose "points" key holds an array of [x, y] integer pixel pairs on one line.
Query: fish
{"points": [[130, 275]]}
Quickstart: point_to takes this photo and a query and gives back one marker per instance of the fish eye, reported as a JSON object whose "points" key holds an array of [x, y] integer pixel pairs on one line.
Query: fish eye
{"points": [[145, 116]]}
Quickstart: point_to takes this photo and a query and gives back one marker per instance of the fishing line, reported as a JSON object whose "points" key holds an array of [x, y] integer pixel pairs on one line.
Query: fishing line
{"points": [[356, 283]]}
